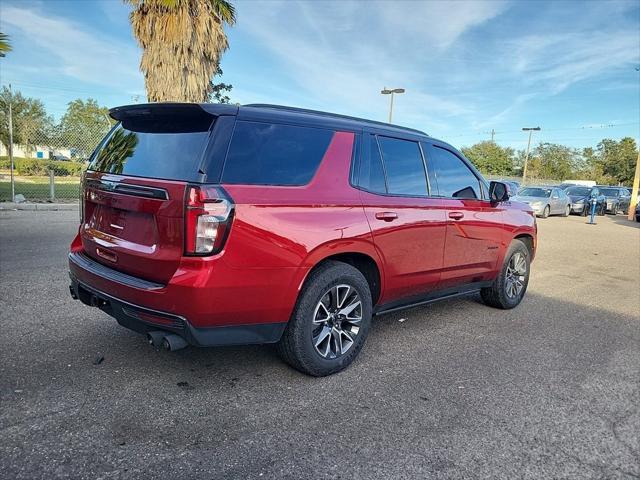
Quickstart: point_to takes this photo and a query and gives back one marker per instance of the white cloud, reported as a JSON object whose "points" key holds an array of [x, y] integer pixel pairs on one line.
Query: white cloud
{"points": [[558, 61], [78, 52], [341, 54]]}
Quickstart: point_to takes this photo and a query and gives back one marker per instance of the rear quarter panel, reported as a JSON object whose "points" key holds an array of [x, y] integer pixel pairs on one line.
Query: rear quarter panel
{"points": [[285, 231]]}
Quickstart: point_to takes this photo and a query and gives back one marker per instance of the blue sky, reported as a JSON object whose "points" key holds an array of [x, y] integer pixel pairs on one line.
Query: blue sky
{"points": [[467, 66]]}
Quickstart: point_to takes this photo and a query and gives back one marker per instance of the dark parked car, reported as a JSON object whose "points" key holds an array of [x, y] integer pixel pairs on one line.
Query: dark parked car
{"points": [[218, 224], [638, 212], [512, 187], [581, 200], [618, 198]]}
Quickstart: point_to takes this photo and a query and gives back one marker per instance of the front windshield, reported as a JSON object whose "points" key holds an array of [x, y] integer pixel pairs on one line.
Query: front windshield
{"points": [[535, 192], [582, 191], [610, 192]]}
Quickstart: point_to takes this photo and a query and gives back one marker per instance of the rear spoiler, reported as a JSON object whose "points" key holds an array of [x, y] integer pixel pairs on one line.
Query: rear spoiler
{"points": [[196, 109]]}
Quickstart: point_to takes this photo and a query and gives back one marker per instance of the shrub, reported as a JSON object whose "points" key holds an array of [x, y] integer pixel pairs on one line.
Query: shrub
{"points": [[36, 166]]}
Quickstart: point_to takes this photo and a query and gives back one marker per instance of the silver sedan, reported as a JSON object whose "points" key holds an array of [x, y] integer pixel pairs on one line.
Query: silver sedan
{"points": [[545, 201]]}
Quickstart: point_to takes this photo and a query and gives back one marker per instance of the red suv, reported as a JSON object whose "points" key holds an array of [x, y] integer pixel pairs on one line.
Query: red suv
{"points": [[216, 225]]}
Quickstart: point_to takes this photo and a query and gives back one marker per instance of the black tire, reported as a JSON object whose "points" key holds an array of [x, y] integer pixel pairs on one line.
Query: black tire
{"points": [[545, 212], [496, 295], [586, 210], [567, 211], [296, 347], [603, 210]]}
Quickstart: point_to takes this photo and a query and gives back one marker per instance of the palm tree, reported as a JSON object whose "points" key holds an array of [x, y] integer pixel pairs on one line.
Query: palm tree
{"points": [[182, 42], [5, 46]]}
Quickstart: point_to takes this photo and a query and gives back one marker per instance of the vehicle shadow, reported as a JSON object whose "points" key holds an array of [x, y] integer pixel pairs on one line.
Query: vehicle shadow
{"points": [[622, 220]]}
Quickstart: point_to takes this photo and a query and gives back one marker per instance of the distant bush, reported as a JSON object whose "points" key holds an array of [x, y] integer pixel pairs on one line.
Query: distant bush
{"points": [[36, 166]]}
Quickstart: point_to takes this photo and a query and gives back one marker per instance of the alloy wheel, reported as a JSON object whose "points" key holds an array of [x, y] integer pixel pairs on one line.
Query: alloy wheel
{"points": [[336, 321], [515, 275]]}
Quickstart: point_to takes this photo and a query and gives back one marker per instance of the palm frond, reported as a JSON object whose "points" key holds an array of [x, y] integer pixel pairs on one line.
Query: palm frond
{"points": [[5, 46]]}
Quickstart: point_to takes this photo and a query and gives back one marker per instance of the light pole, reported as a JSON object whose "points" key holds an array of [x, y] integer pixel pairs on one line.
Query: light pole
{"points": [[526, 158], [391, 91]]}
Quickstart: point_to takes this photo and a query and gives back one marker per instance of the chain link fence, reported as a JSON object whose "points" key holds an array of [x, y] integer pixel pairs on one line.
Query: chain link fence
{"points": [[47, 162]]}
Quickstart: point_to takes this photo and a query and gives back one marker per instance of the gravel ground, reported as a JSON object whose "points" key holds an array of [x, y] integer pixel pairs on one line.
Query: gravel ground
{"points": [[455, 390]]}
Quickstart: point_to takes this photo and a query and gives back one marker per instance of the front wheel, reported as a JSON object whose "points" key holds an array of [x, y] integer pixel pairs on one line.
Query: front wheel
{"points": [[603, 211], [509, 288], [546, 211], [330, 322], [567, 211], [586, 210]]}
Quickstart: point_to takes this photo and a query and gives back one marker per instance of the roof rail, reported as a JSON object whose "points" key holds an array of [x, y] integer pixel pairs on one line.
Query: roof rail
{"points": [[335, 115]]}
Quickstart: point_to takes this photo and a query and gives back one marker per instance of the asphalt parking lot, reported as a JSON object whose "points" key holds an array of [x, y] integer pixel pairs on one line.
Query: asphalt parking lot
{"points": [[454, 390]]}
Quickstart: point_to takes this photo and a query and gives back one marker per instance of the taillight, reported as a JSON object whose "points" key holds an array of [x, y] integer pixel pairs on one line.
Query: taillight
{"points": [[208, 217]]}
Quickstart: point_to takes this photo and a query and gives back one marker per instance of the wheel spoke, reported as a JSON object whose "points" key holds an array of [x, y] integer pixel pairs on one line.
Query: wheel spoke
{"points": [[322, 315], [324, 337], [337, 339], [351, 307], [341, 298]]}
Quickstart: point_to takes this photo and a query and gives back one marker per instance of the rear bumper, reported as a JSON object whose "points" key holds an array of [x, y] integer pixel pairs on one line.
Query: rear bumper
{"points": [[578, 207], [142, 319]]}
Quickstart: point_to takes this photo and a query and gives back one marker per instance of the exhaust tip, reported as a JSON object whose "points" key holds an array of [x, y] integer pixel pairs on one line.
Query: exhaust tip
{"points": [[155, 338], [173, 342]]}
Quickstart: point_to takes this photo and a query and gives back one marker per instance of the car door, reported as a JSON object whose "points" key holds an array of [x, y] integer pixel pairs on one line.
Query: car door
{"points": [[625, 199], [555, 202], [474, 225], [408, 226]]}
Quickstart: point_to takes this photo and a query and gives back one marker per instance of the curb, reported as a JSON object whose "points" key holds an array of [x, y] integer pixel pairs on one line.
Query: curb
{"points": [[40, 207]]}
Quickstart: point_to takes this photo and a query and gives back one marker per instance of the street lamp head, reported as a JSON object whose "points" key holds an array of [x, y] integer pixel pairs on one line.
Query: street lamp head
{"points": [[536, 129], [388, 91]]}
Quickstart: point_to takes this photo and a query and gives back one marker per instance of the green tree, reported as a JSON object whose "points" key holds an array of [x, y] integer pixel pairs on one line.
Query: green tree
{"points": [[617, 159], [219, 92], [29, 118], [83, 125], [490, 158], [182, 42], [553, 161]]}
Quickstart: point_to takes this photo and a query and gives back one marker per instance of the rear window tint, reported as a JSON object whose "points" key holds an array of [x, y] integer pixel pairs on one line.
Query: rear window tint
{"points": [[159, 146], [271, 154]]}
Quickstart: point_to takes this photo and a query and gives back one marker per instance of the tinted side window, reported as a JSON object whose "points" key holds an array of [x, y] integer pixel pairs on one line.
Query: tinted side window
{"points": [[371, 171], [455, 179], [271, 154], [404, 167]]}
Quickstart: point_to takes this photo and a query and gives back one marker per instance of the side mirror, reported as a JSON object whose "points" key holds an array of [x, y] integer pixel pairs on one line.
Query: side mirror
{"points": [[498, 192]]}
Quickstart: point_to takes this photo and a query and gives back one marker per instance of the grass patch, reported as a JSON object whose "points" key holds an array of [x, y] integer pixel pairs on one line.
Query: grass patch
{"points": [[36, 188]]}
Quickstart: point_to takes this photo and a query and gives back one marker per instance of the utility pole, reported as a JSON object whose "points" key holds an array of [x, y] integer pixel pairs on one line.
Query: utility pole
{"points": [[526, 158], [634, 193], [13, 185], [391, 91], [493, 133]]}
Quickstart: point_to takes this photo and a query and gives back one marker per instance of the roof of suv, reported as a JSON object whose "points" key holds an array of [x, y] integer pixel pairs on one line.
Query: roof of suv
{"points": [[265, 112], [326, 117]]}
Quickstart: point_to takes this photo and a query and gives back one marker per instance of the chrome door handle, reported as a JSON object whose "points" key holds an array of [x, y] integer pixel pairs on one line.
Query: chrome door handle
{"points": [[456, 215], [387, 216]]}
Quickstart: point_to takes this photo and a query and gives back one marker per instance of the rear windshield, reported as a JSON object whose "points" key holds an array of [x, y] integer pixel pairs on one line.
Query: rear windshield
{"points": [[159, 146], [610, 192], [273, 154], [579, 191]]}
